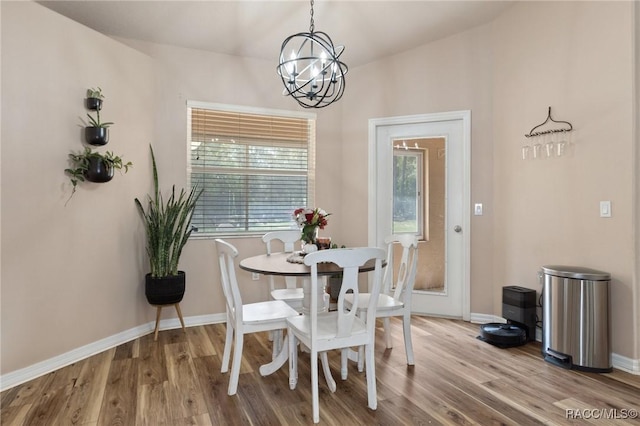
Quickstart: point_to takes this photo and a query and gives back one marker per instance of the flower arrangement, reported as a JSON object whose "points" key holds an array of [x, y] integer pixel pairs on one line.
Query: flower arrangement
{"points": [[310, 220]]}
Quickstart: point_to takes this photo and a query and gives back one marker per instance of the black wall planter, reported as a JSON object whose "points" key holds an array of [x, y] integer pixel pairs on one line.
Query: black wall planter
{"points": [[98, 171], [94, 104], [96, 135], [165, 290]]}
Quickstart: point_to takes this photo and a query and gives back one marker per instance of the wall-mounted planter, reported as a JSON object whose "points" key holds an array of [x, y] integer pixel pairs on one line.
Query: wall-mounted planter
{"points": [[94, 104], [96, 135], [98, 171], [92, 166]]}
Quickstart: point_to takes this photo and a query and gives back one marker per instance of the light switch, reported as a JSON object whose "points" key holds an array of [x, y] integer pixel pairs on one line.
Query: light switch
{"points": [[477, 209], [605, 208]]}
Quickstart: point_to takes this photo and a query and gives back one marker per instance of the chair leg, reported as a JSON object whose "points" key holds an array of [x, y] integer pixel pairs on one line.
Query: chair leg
{"points": [[314, 386], [177, 305], [408, 345], [344, 360], [237, 360], [360, 358], [227, 348], [293, 361], [371, 377], [387, 332], [324, 359], [155, 332]]}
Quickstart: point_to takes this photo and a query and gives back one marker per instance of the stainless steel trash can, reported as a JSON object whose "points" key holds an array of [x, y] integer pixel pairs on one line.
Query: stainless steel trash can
{"points": [[575, 318]]}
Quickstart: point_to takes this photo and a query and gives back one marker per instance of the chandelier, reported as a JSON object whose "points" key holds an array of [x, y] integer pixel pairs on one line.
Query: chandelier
{"points": [[310, 68]]}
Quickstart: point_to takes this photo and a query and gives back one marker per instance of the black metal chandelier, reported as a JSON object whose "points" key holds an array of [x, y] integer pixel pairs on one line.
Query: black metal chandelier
{"points": [[310, 68]]}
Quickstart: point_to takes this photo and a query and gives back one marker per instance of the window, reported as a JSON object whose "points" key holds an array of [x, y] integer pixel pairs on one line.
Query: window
{"points": [[255, 166], [408, 205]]}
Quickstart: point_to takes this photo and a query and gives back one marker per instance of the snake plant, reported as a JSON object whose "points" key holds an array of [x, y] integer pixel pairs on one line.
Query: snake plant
{"points": [[167, 224]]}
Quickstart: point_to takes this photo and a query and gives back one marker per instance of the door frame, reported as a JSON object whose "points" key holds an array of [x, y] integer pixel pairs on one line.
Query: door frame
{"points": [[463, 118]]}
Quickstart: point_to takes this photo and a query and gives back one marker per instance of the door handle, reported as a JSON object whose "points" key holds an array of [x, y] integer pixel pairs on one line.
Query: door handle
{"points": [[457, 228]]}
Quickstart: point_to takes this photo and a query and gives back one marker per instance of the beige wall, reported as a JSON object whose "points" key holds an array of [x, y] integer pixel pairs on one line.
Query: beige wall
{"points": [[73, 275], [70, 274], [579, 62]]}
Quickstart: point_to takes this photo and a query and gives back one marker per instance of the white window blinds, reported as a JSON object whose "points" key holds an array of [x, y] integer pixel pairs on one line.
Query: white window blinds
{"points": [[255, 168]]}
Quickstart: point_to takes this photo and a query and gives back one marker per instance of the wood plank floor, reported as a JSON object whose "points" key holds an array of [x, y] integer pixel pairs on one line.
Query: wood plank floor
{"points": [[457, 379]]}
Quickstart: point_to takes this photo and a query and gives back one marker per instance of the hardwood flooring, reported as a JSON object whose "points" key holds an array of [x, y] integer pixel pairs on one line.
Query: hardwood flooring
{"points": [[457, 379]]}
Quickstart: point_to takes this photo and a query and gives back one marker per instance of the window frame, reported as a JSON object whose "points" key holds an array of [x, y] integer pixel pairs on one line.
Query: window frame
{"points": [[311, 157]]}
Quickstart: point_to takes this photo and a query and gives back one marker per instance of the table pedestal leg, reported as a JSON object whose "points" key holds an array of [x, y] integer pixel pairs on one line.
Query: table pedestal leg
{"points": [[323, 306], [279, 359]]}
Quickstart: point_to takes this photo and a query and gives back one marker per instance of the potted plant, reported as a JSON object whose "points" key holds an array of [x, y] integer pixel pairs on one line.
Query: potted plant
{"points": [[94, 166], [167, 225], [97, 132], [94, 99]]}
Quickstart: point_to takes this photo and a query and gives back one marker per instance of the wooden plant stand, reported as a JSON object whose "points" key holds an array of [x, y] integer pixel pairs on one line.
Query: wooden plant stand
{"points": [[159, 310]]}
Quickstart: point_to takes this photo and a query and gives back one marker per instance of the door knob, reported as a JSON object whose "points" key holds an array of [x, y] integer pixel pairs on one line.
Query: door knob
{"points": [[457, 228]]}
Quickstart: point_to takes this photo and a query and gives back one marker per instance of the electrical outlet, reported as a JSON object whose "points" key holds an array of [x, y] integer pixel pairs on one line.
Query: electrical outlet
{"points": [[255, 276]]}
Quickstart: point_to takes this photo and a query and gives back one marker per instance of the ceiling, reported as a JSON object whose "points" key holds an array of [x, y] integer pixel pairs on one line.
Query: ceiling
{"points": [[369, 30]]}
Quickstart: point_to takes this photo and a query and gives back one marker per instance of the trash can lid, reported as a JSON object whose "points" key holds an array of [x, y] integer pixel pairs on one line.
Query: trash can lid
{"points": [[576, 272]]}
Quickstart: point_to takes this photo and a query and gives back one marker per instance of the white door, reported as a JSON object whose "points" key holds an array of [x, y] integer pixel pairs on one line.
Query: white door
{"points": [[453, 299]]}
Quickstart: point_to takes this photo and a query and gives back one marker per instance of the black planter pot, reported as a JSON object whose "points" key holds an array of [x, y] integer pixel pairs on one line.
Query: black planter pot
{"points": [[98, 171], [94, 104], [164, 290], [96, 135]]}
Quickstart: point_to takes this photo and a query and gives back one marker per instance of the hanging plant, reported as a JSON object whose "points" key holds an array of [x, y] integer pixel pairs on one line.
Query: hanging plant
{"points": [[94, 99], [94, 167], [98, 132]]}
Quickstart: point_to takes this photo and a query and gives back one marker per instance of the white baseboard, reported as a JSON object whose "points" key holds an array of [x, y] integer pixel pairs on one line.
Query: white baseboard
{"points": [[485, 318], [618, 361], [626, 364], [23, 375]]}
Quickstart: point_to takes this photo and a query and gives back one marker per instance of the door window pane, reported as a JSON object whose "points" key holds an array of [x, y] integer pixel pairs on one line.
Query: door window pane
{"points": [[408, 207]]}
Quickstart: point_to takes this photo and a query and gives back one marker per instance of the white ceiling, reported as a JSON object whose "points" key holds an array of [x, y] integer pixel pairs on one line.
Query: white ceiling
{"points": [[369, 30]]}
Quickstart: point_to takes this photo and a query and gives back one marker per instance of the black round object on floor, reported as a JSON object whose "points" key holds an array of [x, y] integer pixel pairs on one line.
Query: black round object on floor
{"points": [[503, 335]]}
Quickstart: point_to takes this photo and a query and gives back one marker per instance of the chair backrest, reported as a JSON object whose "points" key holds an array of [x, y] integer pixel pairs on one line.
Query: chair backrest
{"points": [[350, 260], [406, 276], [226, 258], [288, 238]]}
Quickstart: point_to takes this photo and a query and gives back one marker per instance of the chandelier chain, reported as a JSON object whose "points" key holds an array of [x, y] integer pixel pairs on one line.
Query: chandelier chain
{"points": [[311, 23]]}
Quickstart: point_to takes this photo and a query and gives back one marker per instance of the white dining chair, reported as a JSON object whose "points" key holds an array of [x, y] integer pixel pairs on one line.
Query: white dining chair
{"points": [[395, 297], [292, 294], [244, 318], [340, 329]]}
